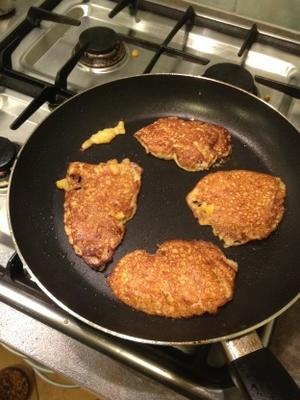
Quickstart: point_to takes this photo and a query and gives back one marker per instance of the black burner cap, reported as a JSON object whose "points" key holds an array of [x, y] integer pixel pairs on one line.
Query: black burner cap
{"points": [[232, 73], [8, 152], [101, 40]]}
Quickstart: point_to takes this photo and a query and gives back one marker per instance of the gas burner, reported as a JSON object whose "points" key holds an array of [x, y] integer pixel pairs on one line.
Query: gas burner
{"points": [[8, 152], [105, 49], [234, 74]]}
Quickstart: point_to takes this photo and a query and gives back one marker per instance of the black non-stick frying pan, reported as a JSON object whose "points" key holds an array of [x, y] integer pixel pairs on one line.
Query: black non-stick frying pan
{"points": [[268, 280]]}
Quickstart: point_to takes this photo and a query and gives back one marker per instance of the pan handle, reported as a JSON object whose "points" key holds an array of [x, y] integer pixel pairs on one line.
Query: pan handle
{"points": [[258, 374]]}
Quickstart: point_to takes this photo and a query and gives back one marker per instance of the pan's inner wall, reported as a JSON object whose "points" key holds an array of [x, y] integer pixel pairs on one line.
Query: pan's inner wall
{"points": [[263, 140]]}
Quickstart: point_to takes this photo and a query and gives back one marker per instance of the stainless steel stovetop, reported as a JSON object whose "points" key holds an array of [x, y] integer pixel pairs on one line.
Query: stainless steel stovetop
{"points": [[215, 38]]}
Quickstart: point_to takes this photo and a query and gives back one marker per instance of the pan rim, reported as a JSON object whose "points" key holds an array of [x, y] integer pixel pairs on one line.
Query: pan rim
{"points": [[200, 77], [149, 341], [113, 332]]}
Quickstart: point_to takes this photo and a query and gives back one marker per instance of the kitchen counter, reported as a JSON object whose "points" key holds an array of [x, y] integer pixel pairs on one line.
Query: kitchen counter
{"points": [[104, 376], [283, 13], [77, 362]]}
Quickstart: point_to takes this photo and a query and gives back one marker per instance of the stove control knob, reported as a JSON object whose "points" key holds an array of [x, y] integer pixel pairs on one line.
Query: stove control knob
{"points": [[8, 152]]}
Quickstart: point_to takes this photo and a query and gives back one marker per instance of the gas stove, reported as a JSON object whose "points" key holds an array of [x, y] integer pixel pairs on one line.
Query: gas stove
{"points": [[55, 49]]}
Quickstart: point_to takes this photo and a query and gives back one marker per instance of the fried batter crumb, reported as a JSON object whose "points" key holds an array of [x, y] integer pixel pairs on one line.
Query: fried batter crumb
{"points": [[104, 136]]}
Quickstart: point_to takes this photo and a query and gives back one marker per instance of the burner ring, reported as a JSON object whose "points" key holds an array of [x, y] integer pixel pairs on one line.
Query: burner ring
{"points": [[234, 74], [105, 48], [8, 152]]}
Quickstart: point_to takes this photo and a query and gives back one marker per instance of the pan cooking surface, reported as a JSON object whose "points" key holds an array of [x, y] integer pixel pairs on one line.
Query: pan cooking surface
{"points": [[268, 277]]}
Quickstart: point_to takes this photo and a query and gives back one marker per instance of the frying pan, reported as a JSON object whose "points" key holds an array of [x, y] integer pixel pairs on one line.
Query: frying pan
{"points": [[269, 277]]}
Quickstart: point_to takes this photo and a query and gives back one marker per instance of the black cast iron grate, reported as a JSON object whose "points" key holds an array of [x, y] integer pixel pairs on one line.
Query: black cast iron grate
{"points": [[58, 92]]}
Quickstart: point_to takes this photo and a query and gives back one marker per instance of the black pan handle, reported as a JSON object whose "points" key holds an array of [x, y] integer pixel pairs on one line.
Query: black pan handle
{"points": [[258, 374]]}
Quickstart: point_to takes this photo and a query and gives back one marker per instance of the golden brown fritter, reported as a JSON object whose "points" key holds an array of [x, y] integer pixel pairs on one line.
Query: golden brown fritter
{"points": [[239, 205], [182, 279], [99, 200], [194, 145]]}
